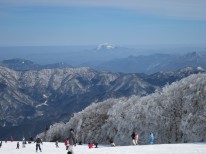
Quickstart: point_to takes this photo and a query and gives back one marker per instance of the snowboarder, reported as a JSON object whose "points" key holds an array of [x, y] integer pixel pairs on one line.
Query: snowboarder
{"points": [[151, 138], [134, 138], [38, 141]]}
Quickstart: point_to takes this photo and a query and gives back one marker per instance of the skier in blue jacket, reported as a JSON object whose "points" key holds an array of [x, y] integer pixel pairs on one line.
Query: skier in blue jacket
{"points": [[151, 138]]}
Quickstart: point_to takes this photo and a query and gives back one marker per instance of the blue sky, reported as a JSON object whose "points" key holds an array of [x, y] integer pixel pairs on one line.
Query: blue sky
{"points": [[80, 22]]}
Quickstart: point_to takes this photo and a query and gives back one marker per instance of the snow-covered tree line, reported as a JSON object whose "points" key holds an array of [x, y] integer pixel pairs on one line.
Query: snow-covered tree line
{"points": [[175, 114]]}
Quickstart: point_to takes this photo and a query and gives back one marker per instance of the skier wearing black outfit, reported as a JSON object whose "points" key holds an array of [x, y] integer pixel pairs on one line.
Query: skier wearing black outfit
{"points": [[38, 141], [0, 144]]}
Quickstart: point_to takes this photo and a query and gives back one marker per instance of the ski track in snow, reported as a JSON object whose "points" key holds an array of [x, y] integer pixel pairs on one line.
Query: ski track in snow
{"points": [[50, 148]]}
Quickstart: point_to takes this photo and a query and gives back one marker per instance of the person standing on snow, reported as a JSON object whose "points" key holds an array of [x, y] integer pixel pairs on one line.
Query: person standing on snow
{"points": [[151, 138], [72, 140], [111, 141], [134, 138], [0, 144], [17, 145], [38, 141], [66, 143], [90, 145], [96, 144], [23, 142], [57, 144], [11, 139]]}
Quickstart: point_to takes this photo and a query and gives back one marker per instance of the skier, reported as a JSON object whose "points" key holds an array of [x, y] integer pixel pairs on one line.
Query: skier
{"points": [[134, 138], [0, 144], [31, 139], [112, 142], [90, 145], [72, 140], [66, 143], [38, 141], [57, 144], [151, 138], [23, 142], [17, 145], [80, 142], [70, 150], [11, 139], [96, 144]]}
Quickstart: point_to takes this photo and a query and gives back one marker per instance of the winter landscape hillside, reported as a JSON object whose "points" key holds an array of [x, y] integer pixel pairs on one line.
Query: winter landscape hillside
{"points": [[101, 71], [49, 148], [176, 114], [31, 100]]}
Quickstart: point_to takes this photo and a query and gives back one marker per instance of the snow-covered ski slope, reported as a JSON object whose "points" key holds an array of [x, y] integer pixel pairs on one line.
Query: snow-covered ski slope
{"points": [[50, 148]]}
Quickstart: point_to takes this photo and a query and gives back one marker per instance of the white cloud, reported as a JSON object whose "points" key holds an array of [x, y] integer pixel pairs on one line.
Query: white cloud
{"points": [[189, 9]]}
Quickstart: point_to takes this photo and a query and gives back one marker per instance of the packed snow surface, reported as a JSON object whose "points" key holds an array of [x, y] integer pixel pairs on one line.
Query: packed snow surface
{"points": [[50, 148]]}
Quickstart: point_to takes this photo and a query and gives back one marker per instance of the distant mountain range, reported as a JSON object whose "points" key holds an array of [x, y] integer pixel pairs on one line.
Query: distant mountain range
{"points": [[147, 64], [109, 57], [23, 65], [154, 63], [34, 96]]}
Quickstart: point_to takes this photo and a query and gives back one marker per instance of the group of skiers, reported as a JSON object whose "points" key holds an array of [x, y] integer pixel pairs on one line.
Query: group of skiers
{"points": [[71, 141], [38, 141]]}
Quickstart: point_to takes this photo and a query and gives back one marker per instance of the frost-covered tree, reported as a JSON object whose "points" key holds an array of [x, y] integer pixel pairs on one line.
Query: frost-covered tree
{"points": [[177, 113]]}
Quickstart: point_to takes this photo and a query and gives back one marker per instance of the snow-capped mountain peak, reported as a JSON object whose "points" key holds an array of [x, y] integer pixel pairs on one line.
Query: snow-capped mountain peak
{"points": [[105, 46]]}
